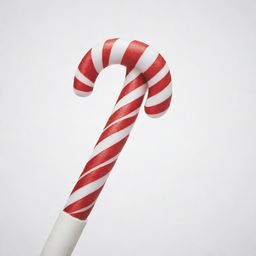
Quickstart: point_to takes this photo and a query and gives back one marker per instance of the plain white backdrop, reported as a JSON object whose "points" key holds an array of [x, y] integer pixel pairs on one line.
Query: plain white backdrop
{"points": [[184, 184]]}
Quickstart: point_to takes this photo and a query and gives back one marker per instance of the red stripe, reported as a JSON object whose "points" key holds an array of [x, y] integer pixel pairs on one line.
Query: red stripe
{"points": [[132, 54], [125, 110], [134, 84], [92, 176], [159, 86], [106, 51], [155, 67], [159, 108], [83, 202], [82, 215], [105, 155], [117, 127], [87, 68], [78, 85]]}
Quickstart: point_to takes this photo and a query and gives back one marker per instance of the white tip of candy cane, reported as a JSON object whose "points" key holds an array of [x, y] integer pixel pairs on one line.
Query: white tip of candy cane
{"points": [[64, 236], [81, 93]]}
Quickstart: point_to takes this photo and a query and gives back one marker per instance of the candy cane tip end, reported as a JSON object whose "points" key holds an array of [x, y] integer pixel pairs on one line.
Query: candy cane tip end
{"points": [[157, 115], [64, 236], [81, 93]]}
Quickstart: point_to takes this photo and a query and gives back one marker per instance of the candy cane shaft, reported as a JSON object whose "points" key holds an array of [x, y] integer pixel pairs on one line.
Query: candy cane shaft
{"points": [[67, 228], [145, 69]]}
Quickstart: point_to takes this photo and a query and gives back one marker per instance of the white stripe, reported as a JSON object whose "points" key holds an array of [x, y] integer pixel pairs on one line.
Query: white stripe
{"points": [[118, 49], [146, 60], [131, 96], [135, 112], [158, 76], [82, 78], [97, 57], [85, 208], [81, 93], [100, 165], [160, 97], [111, 140], [86, 190]]}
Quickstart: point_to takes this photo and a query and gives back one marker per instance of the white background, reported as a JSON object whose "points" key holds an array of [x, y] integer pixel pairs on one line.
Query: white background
{"points": [[184, 184]]}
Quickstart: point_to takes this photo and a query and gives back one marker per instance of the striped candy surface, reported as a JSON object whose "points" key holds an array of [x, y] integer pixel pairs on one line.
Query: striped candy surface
{"points": [[145, 69]]}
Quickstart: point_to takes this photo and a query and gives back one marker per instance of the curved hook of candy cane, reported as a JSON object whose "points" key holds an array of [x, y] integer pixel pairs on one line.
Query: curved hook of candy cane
{"points": [[137, 57]]}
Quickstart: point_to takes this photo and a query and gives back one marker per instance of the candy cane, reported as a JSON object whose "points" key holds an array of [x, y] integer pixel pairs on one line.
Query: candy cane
{"points": [[145, 69]]}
